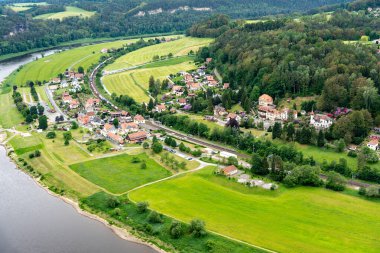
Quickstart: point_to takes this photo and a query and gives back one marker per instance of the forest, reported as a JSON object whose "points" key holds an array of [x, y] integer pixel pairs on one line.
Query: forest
{"points": [[332, 58], [116, 18]]}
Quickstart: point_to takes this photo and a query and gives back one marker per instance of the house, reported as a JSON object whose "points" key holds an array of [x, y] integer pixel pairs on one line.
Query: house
{"points": [[74, 104], [187, 77], [272, 114], [55, 80], [53, 87], [104, 50], [191, 86], [78, 76], [137, 137], [138, 119], [232, 115], [160, 108], [230, 170], [226, 86], [219, 111], [91, 103], [373, 144], [182, 101], [115, 138], [177, 90], [83, 119], [265, 100], [129, 127], [320, 121], [108, 128], [213, 83], [66, 98]]}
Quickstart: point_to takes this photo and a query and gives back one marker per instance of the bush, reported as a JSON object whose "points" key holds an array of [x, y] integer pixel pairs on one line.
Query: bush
{"points": [[143, 165], [145, 145], [113, 202], [352, 153], [176, 229], [142, 207], [157, 147], [51, 135], [37, 153], [135, 159], [154, 217], [197, 228], [31, 155], [362, 191], [335, 181], [373, 191], [304, 175]]}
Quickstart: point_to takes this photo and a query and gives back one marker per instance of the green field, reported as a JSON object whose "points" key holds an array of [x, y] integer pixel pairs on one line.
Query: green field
{"points": [[69, 12], [23, 145], [19, 7], [119, 174], [177, 48], [288, 220], [134, 83], [50, 66], [9, 116]]}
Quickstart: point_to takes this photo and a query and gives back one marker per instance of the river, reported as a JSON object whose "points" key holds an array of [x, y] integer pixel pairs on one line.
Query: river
{"points": [[33, 221]]}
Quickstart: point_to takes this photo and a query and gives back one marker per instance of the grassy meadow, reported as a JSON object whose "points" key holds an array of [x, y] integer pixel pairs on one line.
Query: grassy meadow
{"points": [[288, 220], [69, 12], [178, 48], [50, 66], [9, 115], [134, 83], [119, 174]]}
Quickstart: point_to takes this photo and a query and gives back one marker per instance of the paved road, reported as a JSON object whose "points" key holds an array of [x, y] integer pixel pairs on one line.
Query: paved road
{"points": [[52, 101]]}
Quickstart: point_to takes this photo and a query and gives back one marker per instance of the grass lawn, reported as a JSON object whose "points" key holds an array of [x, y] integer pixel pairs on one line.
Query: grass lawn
{"points": [[288, 220], [22, 145], [69, 12], [9, 115], [200, 119], [118, 174], [178, 48], [134, 83]]}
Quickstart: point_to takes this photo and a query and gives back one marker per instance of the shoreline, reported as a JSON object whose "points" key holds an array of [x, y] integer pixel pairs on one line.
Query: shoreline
{"points": [[121, 232]]}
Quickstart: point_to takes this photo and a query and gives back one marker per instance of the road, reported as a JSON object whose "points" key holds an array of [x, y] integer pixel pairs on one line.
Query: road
{"points": [[52, 101]]}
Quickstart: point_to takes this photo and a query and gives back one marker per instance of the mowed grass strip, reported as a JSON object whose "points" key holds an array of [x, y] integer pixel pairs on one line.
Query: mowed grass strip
{"points": [[287, 220], [178, 47], [119, 174], [9, 115], [134, 83], [70, 11]]}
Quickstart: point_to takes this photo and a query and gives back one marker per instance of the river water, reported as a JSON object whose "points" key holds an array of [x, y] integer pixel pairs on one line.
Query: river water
{"points": [[33, 221]]}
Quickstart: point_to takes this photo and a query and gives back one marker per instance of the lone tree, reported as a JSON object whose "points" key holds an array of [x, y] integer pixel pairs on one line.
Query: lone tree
{"points": [[157, 147], [176, 229], [42, 122], [142, 207], [81, 70], [277, 130]]}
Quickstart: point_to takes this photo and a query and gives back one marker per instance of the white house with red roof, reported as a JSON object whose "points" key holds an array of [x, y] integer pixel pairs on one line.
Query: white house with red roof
{"points": [[320, 121], [138, 119], [373, 144], [265, 100], [230, 170], [160, 108]]}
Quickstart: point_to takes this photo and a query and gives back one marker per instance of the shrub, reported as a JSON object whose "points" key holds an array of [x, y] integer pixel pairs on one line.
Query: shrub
{"points": [[37, 153], [142, 207], [176, 229], [362, 191], [154, 217], [135, 159], [51, 135], [31, 155], [197, 228], [352, 153], [373, 191], [335, 181], [304, 175], [143, 165], [113, 202]]}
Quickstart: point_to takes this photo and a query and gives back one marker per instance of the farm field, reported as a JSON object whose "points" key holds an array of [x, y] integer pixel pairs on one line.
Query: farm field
{"points": [[178, 48], [119, 174], [19, 7], [50, 66], [288, 220], [9, 116], [134, 83], [69, 12]]}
